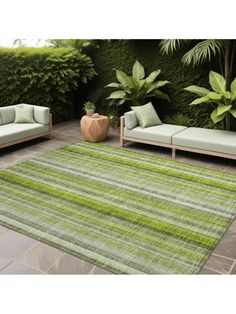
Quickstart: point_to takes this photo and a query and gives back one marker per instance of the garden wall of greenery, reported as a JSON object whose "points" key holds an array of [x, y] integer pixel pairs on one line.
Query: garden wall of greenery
{"points": [[43, 76], [121, 54]]}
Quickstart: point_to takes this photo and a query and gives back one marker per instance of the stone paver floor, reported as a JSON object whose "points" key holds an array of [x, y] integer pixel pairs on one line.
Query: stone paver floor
{"points": [[20, 254]]}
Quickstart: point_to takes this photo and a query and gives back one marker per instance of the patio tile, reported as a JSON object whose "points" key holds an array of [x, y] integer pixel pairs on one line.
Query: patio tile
{"points": [[3, 230], [219, 263], [13, 244], [4, 262], [100, 271], [40, 256], [18, 268], [227, 245], [233, 226], [233, 271], [69, 264], [206, 271]]}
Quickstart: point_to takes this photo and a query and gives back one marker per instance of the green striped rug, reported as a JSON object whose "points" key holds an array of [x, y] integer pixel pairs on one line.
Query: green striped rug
{"points": [[127, 212]]}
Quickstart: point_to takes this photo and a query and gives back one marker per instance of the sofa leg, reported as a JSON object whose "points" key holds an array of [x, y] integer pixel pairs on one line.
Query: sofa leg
{"points": [[173, 153], [122, 142]]}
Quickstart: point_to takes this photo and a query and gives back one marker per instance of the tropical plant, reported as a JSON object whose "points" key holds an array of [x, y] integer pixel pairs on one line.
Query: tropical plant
{"points": [[79, 44], [88, 105], [135, 89], [179, 119], [205, 50], [222, 100]]}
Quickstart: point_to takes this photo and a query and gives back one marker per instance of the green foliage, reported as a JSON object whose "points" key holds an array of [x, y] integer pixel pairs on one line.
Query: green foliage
{"points": [[121, 54], [89, 105], [222, 101], [179, 119], [80, 44], [43, 76], [136, 89]]}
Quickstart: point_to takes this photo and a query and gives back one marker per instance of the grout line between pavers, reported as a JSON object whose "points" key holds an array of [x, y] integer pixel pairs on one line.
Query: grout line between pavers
{"points": [[234, 263], [223, 256], [46, 271], [214, 270]]}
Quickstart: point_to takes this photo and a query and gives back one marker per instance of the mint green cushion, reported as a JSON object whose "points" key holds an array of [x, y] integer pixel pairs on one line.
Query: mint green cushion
{"points": [[14, 131], [214, 140], [146, 115], [130, 120], [24, 114], [7, 114], [160, 133]]}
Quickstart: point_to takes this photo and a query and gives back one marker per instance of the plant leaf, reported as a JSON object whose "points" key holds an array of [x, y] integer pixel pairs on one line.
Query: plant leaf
{"points": [[116, 95], [214, 96], [233, 86], [138, 70], [152, 76], [157, 85], [117, 85], [217, 82], [233, 96], [233, 112], [201, 100], [221, 108], [121, 77], [215, 118], [200, 91], [159, 94], [227, 95]]}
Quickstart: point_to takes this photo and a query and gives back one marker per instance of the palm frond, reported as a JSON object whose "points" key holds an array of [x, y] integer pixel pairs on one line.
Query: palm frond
{"points": [[203, 51], [168, 46]]}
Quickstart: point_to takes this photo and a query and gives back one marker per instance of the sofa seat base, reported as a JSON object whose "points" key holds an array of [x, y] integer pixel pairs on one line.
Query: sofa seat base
{"points": [[15, 132], [207, 139], [160, 133]]}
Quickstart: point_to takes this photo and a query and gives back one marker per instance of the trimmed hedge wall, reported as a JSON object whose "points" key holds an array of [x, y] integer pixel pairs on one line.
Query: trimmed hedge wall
{"points": [[121, 54], [44, 77]]}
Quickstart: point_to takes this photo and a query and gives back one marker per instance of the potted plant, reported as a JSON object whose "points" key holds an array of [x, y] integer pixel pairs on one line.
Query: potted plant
{"points": [[89, 107]]}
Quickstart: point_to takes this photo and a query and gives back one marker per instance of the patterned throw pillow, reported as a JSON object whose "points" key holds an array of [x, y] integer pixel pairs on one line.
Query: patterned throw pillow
{"points": [[24, 114], [146, 115]]}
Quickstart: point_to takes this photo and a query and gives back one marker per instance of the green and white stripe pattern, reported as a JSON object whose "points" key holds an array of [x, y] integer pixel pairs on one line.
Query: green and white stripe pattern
{"points": [[127, 212]]}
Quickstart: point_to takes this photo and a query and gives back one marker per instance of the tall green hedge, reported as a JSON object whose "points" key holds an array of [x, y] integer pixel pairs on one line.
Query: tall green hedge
{"points": [[43, 76], [121, 54]]}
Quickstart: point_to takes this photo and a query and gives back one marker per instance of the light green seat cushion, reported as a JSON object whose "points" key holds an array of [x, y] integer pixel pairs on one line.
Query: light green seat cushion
{"points": [[131, 120], [146, 115], [159, 133], [7, 114], [14, 131], [206, 139], [24, 114]]}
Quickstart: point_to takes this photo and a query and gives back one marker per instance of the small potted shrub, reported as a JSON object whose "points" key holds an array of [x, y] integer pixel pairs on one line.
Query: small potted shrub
{"points": [[89, 107]]}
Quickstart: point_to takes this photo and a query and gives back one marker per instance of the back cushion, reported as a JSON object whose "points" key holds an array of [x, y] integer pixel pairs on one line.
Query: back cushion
{"points": [[131, 120], [7, 114]]}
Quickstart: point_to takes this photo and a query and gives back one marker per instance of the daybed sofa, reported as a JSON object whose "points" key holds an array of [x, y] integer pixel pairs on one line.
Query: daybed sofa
{"points": [[12, 133], [199, 140]]}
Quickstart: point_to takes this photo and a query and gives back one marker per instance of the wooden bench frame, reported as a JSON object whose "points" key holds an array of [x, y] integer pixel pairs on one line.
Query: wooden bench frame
{"points": [[173, 147], [27, 138]]}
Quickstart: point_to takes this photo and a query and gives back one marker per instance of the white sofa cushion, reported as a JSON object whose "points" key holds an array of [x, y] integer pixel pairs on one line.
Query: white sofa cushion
{"points": [[207, 139], [159, 133], [14, 131], [7, 114]]}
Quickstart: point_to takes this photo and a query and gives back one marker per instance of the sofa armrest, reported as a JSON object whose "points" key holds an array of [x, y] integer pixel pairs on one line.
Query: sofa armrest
{"points": [[41, 114]]}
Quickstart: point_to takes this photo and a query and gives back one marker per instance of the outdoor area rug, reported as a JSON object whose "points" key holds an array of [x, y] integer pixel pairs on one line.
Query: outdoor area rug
{"points": [[127, 212]]}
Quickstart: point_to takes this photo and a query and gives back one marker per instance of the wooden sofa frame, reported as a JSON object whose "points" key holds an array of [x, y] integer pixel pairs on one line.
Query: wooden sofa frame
{"points": [[173, 147], [24, 139]]}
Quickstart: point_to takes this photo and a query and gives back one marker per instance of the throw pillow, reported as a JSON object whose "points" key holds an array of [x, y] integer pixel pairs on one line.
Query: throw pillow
{"points": [[146, 115], [24, 114], [130, 120]]}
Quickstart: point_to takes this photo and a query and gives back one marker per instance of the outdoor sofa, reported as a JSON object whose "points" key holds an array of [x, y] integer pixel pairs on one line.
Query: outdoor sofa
{"points": [[12, 133], [198, 140]]}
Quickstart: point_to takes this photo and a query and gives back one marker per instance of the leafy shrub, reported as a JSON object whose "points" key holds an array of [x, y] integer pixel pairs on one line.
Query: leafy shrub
{"points": [[43, 76], [179, 119]]}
